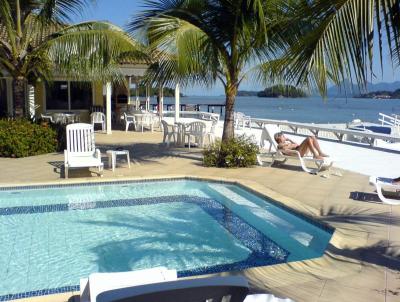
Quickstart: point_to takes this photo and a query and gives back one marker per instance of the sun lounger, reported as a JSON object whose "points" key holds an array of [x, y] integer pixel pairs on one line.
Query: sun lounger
{"points": [[275, 154], [197, 289], [385, 184], [98, 283]]}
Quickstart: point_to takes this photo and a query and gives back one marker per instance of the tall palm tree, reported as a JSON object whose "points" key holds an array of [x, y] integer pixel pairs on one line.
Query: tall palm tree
{"points": [[203, 41], [36, 42], [335, 40]]}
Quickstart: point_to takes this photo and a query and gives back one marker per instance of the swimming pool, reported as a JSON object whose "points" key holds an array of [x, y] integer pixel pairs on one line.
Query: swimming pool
{"points": [[51, 236]]}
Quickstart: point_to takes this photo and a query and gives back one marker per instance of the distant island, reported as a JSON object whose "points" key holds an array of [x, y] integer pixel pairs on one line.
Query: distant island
{"points": [[277, 91], [382, 94]]}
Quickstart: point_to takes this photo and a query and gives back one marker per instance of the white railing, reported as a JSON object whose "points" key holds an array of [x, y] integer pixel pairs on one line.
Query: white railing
{"points": [[389, 120], [208, 116], [336, 133]]}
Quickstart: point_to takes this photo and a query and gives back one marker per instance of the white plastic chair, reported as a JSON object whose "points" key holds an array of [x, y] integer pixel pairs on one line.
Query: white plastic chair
{"points": [[47, 117], [98, 118], [276, 154], [129, 120], [145, 120], [241, 120], [81, 151], [197, 130], [211, 134], [169, 132]]}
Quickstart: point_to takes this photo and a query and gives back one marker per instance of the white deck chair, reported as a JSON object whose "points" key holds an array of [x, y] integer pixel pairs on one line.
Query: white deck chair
{"points": [[385, 184], [98, 283], [98, 118], [81, 151], [276, 154]]}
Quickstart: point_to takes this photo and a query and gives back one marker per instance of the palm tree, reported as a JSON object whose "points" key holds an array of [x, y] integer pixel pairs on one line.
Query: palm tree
{"points": [[203, 41], [332, 41], [36, 41]]}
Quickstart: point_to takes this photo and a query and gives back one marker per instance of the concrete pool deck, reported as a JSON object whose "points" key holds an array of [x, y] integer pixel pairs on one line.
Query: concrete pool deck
{"points": [[361, 264]]}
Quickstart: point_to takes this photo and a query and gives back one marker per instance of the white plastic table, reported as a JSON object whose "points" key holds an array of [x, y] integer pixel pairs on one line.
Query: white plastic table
{"points": [[112, 157]]}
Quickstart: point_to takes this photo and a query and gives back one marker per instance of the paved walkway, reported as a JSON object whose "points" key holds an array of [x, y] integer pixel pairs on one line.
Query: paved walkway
{"points": [[362, 262]]}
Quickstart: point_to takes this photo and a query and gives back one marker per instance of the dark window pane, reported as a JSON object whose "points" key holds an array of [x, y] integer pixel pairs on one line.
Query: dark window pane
{"points": [[3, 98], [81, 95], [57, 96]]}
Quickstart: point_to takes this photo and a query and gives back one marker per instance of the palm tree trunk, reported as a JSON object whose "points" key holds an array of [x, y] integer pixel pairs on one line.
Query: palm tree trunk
{"points": [[229, 131], [19, 96]]}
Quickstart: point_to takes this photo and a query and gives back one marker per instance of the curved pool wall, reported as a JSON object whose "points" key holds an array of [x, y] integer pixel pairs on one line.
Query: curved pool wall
{"points": [[51, 236]]}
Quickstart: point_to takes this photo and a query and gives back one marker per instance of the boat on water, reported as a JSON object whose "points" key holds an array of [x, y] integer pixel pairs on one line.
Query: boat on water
{"points": [[389, 125], [359, 125]]}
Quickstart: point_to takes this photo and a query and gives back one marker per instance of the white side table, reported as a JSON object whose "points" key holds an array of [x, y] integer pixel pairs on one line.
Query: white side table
{"points": [[112, 157]]}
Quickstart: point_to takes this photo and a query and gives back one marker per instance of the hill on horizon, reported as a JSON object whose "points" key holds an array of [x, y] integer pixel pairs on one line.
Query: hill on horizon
{"points": [[351, 90]]}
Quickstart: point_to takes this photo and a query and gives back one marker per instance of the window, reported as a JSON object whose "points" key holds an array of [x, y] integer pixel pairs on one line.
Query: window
{"points": [[81, 95], [57, 96], [64, 95], [3, 97]]}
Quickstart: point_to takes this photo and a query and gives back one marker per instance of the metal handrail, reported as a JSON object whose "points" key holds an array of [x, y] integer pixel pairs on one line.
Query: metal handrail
{"points": [[315, 130]]}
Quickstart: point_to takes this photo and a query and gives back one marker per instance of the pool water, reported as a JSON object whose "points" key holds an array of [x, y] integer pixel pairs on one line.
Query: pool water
{"points": [[52, 236]]}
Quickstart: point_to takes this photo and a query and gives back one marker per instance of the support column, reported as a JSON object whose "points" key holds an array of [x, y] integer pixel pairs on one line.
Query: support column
{"points": [[137, 102], [177, 102], [147, 98], [129, 90], [108, 107], [161, 96]]}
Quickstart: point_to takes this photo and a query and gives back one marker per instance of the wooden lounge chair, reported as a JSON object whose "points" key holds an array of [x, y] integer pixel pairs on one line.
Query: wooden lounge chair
{"points": [[276, 155], [81, 151], [385, 184]]}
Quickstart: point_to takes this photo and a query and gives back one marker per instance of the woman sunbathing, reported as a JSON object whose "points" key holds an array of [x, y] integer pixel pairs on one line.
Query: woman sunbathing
{"points": [[309, 144]]}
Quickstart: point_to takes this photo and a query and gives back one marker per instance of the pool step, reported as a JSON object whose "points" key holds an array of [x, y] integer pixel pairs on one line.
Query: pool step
{"points": [[282, 231]]}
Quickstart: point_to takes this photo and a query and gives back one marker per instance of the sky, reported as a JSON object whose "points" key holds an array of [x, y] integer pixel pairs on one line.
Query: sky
{"points": [[120, 12]]}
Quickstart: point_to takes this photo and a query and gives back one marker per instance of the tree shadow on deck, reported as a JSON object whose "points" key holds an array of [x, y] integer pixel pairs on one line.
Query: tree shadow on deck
{"points": [[383, 253], [153, 152]]}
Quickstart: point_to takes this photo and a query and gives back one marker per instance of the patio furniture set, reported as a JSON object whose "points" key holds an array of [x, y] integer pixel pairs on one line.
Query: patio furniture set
{"points": [[61, 117], [187, 129]]}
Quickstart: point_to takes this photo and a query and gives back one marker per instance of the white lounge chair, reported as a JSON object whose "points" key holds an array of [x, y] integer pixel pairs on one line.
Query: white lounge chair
{"points": [[98, 118], [275, 154], [81, 151], [385, 184], [98, 283], [170, 132], [232, 288]]}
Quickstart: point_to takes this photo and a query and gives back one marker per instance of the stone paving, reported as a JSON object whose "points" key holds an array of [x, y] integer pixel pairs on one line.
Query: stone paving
{"points": [[362, 262]]}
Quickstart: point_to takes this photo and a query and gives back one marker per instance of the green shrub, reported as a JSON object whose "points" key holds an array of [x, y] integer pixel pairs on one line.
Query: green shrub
{"points": [[237, 152], [21, 138]]}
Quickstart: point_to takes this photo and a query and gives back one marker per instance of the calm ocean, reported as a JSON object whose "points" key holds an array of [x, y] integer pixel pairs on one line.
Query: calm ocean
{"points": [[308, 110]]}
